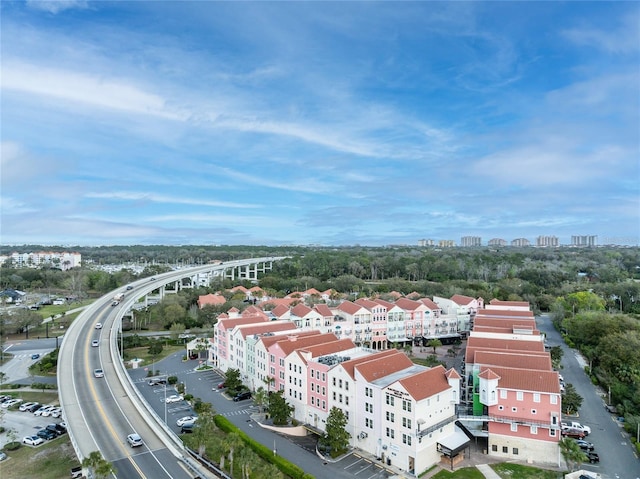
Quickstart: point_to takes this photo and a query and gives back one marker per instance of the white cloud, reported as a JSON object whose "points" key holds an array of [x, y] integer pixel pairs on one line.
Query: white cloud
{"points": [[155, 198], [57, 6], [623, 39]]}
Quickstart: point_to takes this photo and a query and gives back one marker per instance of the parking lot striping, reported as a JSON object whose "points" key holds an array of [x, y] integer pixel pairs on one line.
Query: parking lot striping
{"points": [[353, 464]]}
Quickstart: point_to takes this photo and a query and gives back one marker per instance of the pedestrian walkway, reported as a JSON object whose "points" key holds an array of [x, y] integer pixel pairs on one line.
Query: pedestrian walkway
{"points": [[487, 472]]}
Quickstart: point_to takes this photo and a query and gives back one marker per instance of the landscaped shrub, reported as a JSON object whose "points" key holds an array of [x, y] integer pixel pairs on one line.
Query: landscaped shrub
{"points": [[172, 379], [12, 446]]}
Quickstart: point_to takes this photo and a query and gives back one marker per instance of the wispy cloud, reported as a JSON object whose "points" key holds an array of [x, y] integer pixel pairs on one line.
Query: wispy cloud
{"points": [[57, 6], [621, 38]]}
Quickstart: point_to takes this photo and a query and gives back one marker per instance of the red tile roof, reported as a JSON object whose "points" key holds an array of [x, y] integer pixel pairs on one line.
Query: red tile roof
{"points": [[349, 366], [526, 379], [453, 374], [515, 360], [301, 310], [211, 299], [408, 304], [268, 327], [471, 352], [519, 304], [280, 310], [461, 300], [349, 307], [324, 310], [327, 348], [429, 304], [268, 341], [290, 344], [488, 374], [504, 313], [426, 384], [382, 367]]}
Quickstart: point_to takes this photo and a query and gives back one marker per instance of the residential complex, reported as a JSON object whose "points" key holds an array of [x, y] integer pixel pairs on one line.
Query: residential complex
{"points": [[63, 260], [342, 355]]}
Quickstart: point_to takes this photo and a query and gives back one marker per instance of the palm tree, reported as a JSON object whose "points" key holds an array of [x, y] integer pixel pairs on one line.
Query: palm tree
{"points": [[434, 343], [572, 453], [98, 465]]}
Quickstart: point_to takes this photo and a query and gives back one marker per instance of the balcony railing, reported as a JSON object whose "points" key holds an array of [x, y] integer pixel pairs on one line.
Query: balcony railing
{"points": [[509, 420]]}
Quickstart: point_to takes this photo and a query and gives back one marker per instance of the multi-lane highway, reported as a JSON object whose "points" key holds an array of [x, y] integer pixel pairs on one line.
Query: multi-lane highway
{"points": [[102, 411]]}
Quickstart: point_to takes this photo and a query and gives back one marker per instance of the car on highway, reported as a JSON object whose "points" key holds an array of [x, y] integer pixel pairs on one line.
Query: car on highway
{"points": [[134, 440], [585, 445], [98, 325], [32, 440], [129, 288], [35, 356], [95, 343], [174, 398], [186, 420], [241, 396], [99, 373]]}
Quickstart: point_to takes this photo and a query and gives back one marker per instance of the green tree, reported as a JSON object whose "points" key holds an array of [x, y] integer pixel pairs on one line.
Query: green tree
{"points": [[155, 347], [434, 343], [572, 453], [279, 410], [336, 436], [556, 353], [232, 380], [98, 465], [176, 330], [261, 397], [571, 400]]}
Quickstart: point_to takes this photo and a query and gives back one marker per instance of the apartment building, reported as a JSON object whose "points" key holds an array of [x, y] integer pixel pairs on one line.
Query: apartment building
{"points": [[469, 241]]}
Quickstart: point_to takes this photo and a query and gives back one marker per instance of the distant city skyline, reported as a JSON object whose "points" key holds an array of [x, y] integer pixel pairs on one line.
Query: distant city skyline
{"points": [[305, 123]]}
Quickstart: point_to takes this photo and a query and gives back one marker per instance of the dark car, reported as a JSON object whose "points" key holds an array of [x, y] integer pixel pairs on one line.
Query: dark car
{"points": [[52, 428], [187, 428], [584, 445], [573, 432], [593, 457], [46, 434], [34, 407], [35, 356], [129, 288], [241, 396], [59, 429]]}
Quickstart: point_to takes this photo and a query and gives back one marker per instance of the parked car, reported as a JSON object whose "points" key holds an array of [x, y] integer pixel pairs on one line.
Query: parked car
{"points": [[572, 432], [57, 412], [24, 406], [3, 456], [52, 428], [46, 434], [222, 385], [612, 409], [155, 381], [58, 427], [99, 373], [241, 396], [35, 408], [134, 440], [187, 428], [32, 440], [174, 398], [587, 446], [576, 425], [11, 403], [186, 420], [593, 457]]}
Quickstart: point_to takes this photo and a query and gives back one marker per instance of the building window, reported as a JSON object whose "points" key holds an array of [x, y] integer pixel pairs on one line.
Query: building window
{"points": [[406, 439], [334, 395], [289, 366], [313, 401], [494, 447], [368, 422], [515, 451], [519, 396], [340, 398], [390, 416], [391, 433], [406, 405], [346, 400], [346, 385], [324, 377], [324, 405], [505, 449], [503, 394], [500, 408], [554, 399], [272, 358], [313, 373], [514, 409], [368, 392], [552, 432], [334, 381], [534, 411], [536, 397], [368, 407], [390, 400], [406, 422], [340, 386], [514, 427], [324, 391], [534, 429]]}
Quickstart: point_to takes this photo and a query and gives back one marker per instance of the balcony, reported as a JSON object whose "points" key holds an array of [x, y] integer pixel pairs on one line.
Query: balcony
{"points": [[509, 420]]}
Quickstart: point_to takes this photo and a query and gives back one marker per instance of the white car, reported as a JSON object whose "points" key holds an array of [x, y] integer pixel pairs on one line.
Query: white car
{"points": [[43, 410], [32, 440], [186, 420], [174, 398], [98, 325], [95, 343], [56, 412], [11, 402], [134, 440], [99, 373], [25, 406]]}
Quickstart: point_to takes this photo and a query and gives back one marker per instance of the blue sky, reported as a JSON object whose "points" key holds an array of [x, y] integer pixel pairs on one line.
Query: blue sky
{"points": [[332, 123]]}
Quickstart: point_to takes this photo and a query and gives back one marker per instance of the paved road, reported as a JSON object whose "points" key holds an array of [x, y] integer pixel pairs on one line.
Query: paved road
{"points": [[617, 459]]}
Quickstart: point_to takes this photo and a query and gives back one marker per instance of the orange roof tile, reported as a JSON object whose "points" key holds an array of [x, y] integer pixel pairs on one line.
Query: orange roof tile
{"points": [[461, 300], [527, 379], [488, 374], [426, 384], [268, 327], [349, 366], [381, 367], [301, 310], [512, 359], [349, 307], [291, 343], [408, 304], [453, 374], [323, 310]]}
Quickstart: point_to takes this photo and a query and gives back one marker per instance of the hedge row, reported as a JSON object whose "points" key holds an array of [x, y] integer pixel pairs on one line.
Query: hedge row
{"points": [[286, 467]]}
